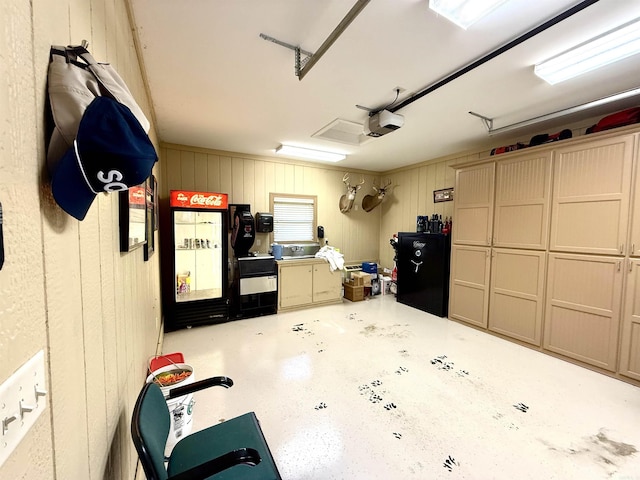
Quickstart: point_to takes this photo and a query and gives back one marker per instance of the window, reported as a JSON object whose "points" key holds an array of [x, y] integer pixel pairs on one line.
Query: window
{"points": [[294, 217]]}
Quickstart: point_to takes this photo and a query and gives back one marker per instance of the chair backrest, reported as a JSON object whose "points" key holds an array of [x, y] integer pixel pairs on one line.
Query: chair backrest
{"points": [[150, 426]]}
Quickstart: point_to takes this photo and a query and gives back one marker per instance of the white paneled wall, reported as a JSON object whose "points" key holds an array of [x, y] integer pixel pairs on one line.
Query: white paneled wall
{"points": [[250, 179], [361, 236], [65, 288]]}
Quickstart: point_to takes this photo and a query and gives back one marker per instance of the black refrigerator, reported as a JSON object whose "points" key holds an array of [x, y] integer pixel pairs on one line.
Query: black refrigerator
{"points": [[423, 271], [195, 269]]}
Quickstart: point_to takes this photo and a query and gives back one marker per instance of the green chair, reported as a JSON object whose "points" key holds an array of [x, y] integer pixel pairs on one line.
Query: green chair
{"points": [[234, 449]]}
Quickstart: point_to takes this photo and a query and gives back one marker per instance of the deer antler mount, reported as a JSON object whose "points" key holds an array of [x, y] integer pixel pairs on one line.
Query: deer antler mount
{"points": [[346, 200]]}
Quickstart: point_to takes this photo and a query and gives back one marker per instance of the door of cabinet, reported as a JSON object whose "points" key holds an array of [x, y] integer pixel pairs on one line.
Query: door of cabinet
{"points": [[327, 285], [582, 315], [590, 208], [473, 209], [630, 343], [469, 285], [523, 189], [517, 291], [634, 241], [295, 285]]}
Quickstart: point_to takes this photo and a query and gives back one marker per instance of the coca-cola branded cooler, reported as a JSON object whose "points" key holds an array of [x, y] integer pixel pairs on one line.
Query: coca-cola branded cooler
{"points": [[199, 267]]}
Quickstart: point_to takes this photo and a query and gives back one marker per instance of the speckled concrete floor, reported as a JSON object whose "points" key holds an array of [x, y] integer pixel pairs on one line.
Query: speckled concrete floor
{"points": [[379, 390]]}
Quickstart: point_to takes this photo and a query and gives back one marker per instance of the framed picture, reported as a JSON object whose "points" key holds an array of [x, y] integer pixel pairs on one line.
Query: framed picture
{"points": [[444, 195], [151, 216], [132, 217]]}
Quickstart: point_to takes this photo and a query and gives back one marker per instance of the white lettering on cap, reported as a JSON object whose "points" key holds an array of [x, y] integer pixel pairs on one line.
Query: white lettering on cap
{"points": [[110, 185], [108, 181]]}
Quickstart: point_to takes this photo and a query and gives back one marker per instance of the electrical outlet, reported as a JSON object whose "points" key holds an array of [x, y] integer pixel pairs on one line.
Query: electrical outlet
{"points": [[22, 400], [258, 242]]}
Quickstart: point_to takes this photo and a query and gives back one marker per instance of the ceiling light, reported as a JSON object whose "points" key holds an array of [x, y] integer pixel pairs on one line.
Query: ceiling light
{"points": [[464, 12], [614, 45], [310, 154]]}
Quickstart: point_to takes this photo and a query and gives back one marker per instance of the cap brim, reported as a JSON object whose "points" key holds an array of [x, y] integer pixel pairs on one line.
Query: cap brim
{"points": [[69, 187]]}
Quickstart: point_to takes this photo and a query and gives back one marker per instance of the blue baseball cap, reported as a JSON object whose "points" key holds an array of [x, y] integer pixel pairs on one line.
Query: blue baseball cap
{"points": [[111, 152]]}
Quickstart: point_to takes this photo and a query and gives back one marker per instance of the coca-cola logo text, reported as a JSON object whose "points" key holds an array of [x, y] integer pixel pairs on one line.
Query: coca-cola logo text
{"points": [[417, 244], [211, 200]]}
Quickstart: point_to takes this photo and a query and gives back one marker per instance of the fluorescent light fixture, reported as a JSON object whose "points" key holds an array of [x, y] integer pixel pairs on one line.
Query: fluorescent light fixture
{"points": [[614, 45], [464, 12], [310, 154]]}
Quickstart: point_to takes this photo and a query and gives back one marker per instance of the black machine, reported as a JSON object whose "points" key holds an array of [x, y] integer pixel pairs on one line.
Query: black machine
{"points": [[255, 285], [244, 232], [423, 271]]}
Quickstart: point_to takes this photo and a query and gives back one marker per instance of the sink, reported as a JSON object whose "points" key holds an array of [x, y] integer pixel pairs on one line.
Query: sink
{"points": [[297, 257]]}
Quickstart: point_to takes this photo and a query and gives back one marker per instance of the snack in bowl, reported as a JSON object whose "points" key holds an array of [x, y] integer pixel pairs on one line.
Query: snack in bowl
{"points": [[172, 377]]}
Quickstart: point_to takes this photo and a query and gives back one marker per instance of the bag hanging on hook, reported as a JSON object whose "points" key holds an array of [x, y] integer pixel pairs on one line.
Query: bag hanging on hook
{"points": [[99, 140], [74, 80]]}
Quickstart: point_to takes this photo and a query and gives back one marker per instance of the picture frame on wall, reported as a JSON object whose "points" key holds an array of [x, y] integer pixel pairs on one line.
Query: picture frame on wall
{"points": [[151, 217], [132, 217], [443, 195]]}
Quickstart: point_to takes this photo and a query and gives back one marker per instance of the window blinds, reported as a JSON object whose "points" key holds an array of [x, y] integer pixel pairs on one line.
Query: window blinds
{"points": [[293, 219]]}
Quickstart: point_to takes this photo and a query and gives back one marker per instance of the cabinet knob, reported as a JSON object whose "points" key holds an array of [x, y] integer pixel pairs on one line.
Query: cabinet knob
{"points": [[621, 247], [619, 265], [630, 265]]}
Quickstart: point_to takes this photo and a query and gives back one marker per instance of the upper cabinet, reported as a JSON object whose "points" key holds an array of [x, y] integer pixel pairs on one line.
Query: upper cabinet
{"points": [[591, 185], [523, 188], [473, 211], [634, 241]]}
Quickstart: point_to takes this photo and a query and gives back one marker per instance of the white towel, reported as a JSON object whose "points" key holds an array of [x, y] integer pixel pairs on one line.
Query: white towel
{"points": [[331, 255]]}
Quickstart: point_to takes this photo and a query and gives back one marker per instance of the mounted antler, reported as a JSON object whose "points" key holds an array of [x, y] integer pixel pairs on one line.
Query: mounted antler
{"points": [[346, 200], [369, 202]]}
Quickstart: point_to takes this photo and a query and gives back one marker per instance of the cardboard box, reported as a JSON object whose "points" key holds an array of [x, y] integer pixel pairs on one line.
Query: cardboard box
{"points": [[355, 294], [361, 279]]}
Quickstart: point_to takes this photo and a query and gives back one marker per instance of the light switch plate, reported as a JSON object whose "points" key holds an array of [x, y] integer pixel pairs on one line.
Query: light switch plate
{"points": [[22, 400]]}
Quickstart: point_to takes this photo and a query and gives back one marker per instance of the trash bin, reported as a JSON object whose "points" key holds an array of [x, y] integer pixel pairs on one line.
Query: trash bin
{"points": [[169, 376]]}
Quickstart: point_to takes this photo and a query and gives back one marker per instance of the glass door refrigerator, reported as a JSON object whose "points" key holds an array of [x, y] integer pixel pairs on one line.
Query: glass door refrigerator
{"points": [[200, 260]]}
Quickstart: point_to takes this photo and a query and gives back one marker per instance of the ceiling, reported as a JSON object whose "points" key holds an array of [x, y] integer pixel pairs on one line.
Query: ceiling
{"points": [[215, 83]]}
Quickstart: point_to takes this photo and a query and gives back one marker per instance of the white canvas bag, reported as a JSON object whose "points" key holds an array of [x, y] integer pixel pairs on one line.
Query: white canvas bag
{"points": [[74, 80]]}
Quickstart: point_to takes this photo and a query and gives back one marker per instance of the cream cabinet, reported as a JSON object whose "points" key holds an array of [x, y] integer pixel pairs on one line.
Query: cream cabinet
{"points": [[583, 306], [327, 285], [516, 305], [294, 285], [634, 240], [592, 182], [469, 284], [548, 251], [522, 201], [630, 343], [473, 209], [304, 283]]}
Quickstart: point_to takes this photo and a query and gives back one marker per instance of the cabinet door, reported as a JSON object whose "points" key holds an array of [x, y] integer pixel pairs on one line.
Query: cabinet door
{"points": [[523, 187], [469, 290], [591, 196], [473, 209], [294, 285], [634, 244], [327, 285], [517, 290], [630, 346], [582, 314]]}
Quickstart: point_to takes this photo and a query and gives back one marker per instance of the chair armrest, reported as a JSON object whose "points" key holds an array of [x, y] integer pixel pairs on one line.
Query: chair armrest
{"points": [[225, 382], [247, 456]]}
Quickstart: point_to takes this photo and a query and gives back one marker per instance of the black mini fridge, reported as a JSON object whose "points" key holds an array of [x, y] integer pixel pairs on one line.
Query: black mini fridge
{"points": [[423, 271]]}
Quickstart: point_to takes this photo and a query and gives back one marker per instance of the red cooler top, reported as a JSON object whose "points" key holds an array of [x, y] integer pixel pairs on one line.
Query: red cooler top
{"points": [[185, 199]]}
